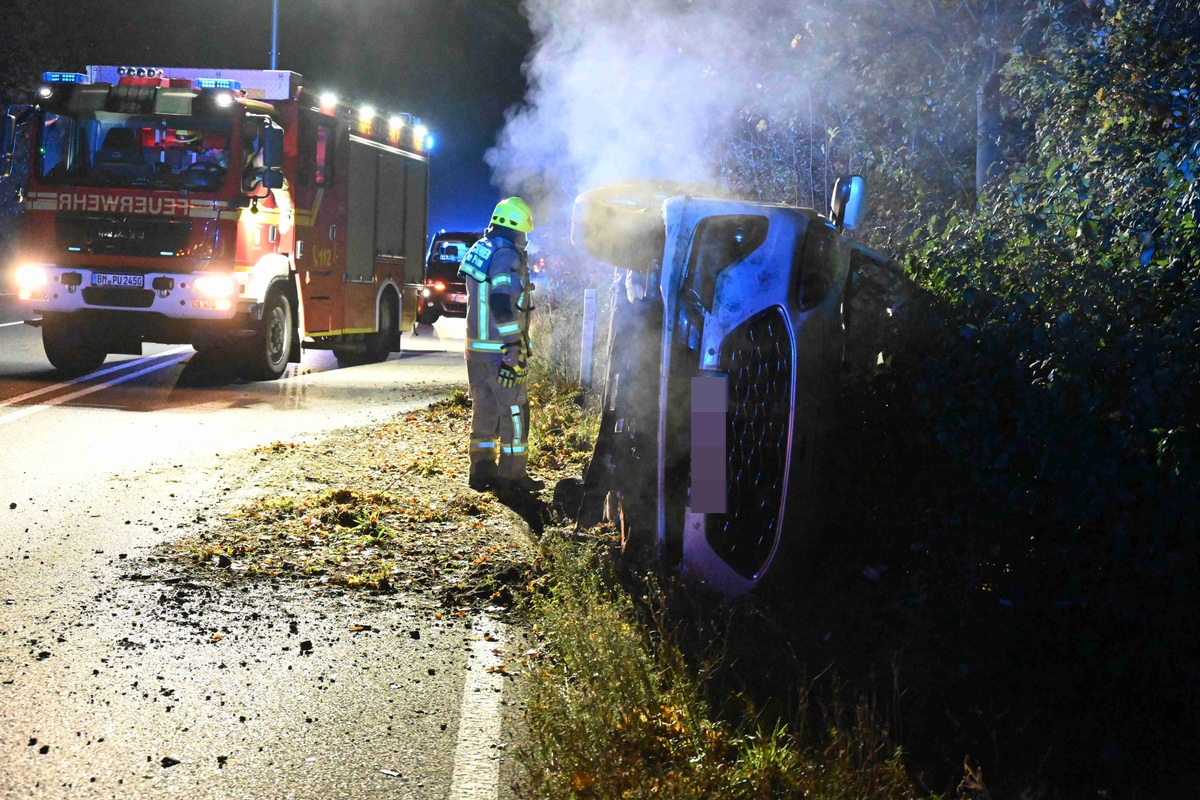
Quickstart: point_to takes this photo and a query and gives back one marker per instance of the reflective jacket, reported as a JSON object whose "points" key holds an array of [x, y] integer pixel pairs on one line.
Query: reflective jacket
{"points": [[495, 272]]}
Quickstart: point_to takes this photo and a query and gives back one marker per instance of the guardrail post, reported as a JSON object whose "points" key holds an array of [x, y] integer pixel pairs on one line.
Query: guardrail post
{"points": [[587, 345]]}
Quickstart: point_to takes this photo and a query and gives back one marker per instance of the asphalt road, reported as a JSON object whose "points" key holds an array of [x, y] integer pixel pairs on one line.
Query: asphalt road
{"points": [[119, 678]]}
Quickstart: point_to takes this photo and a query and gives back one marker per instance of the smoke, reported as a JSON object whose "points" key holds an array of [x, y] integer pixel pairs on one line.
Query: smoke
{"points": [[642, 89]]}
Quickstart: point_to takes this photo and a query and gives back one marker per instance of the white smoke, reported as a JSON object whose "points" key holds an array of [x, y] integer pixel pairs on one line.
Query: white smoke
{"points": [[628, 89]]}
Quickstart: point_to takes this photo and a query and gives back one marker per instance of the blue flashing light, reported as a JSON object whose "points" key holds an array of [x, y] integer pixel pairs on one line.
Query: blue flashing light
{"points": [[64, 77], [428, 142], [219, 83]]}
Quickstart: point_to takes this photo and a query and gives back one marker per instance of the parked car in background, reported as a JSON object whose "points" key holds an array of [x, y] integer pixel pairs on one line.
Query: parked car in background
{"points": [[445, 293]]}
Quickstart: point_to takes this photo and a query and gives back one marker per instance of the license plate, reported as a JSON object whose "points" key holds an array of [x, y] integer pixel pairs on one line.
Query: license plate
{"points": [[118, 279], [458, 298]]}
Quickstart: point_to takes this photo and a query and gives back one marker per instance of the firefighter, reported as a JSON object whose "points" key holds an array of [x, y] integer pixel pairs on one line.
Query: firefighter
{"points": [[496, 271]]}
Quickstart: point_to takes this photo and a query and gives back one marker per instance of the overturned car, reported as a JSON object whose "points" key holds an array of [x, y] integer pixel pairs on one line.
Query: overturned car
{"points": [[733, 325]]}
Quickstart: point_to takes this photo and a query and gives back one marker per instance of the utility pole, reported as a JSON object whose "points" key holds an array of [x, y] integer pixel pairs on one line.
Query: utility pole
{"points": [[274, 31]]}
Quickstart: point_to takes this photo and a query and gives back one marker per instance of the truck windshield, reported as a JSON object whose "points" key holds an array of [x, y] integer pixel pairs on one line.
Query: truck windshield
{"points": [[101, 148]]}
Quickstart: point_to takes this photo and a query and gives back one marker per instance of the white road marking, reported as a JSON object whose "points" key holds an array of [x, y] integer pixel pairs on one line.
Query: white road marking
{"points": [[476, 759], [92, 376], [28, 410], [10, 324]]}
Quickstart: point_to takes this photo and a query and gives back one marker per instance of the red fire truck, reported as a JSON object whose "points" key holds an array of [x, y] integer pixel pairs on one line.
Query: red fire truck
{"points": [[237, 211]]}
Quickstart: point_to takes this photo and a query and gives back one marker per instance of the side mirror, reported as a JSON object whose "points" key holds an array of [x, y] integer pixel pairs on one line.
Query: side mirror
{"points": [[849, 201], [272, 148], [8, 144]]}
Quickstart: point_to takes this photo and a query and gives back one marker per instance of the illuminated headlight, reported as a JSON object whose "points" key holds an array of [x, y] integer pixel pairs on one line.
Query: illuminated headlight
{"points": [[31, 278], [224, 100], [216, 286], [439, 286], [45, 92]]}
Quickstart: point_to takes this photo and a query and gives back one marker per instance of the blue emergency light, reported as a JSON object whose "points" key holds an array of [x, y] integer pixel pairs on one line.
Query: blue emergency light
{"points": [[64, 77], [219, 83]]}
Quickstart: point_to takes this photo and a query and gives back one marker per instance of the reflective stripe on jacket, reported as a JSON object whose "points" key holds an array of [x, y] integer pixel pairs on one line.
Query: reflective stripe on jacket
{"points": [[492, 266]]}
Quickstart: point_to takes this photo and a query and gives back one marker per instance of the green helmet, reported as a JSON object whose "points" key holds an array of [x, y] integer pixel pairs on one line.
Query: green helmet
{"points": [[513, 213]]}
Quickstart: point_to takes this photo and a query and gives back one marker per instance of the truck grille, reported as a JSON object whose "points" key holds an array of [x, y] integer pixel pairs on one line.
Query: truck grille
{"points": [[122, 236], [759, 358], [118, 297]]}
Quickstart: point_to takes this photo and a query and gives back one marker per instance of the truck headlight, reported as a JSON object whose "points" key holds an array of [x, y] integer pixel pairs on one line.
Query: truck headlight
{"points": [[31, 279], [216, 286]]}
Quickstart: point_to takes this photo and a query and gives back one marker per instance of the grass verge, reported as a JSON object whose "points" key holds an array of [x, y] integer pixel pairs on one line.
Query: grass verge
{"points": [[616, 709]]}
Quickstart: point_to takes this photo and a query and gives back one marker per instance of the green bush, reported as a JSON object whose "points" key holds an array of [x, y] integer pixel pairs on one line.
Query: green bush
{"points": [[1049, 541]]}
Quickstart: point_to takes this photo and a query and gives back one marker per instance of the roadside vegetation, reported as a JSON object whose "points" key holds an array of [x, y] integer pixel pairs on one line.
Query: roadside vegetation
{"points": [[617, 708]]}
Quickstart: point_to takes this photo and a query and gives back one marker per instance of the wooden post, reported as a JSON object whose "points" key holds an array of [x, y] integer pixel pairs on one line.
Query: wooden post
{"points": [[587, 345]]}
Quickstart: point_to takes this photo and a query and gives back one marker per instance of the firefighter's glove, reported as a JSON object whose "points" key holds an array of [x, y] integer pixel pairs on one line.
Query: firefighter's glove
{"points": [[513, 375]]}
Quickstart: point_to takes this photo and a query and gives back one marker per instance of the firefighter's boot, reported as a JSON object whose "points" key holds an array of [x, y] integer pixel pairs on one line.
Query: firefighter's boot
{"points": [[524, 484], [483, 476]]}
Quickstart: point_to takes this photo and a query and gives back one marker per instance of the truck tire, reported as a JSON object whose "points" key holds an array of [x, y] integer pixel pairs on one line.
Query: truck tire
{"points": [[387, 338], [71, 346], [271, 344]]}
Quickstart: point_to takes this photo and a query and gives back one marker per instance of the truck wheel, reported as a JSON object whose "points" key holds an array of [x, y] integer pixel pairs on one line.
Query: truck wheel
{"points": [[387, 338], [272, 342], [70, 346]]}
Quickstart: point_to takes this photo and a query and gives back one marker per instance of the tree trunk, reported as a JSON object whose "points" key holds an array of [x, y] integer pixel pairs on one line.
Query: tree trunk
{"points": [[988, 163]]}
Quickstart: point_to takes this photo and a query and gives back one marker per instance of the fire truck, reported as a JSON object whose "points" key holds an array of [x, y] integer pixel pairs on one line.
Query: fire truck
{"points": [[736, 326], [238, 211]]}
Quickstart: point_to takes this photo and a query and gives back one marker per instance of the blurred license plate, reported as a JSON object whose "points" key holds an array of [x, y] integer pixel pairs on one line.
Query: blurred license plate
{"points": [[458, 298], [117, 279]]}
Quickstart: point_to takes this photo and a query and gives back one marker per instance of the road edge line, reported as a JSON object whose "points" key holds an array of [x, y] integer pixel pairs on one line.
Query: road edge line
{"points": [[476, 760]]}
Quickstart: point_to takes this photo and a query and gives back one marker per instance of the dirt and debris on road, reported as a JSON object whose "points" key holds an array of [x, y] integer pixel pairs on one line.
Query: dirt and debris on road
{"points": [[382, 509]]}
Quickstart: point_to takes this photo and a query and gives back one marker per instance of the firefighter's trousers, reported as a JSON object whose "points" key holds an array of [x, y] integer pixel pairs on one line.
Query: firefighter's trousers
{"points": [[499, 420]]}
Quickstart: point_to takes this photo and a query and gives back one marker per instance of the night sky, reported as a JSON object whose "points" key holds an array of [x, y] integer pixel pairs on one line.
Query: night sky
{"points": [[456, 64]]}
